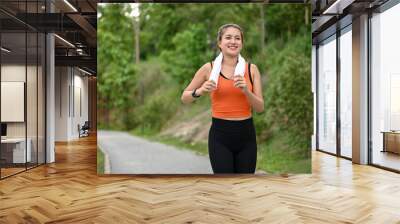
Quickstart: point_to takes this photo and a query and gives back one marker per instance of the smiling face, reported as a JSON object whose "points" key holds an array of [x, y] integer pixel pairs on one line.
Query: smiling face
{"points": [[231, 41]]}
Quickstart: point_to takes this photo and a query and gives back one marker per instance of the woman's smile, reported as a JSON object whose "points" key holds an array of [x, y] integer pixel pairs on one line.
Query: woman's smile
{"points": [[233, 47]]}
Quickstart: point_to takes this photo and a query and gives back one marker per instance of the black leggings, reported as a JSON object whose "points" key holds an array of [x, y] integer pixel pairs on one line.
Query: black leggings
{"points": [[232, 146]]}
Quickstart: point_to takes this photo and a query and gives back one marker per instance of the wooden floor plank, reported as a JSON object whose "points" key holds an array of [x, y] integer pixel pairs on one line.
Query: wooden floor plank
{"points": [[70, 191]]}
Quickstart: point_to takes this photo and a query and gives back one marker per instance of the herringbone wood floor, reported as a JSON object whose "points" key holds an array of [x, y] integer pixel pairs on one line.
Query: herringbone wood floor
{"points": [[69, 191]]}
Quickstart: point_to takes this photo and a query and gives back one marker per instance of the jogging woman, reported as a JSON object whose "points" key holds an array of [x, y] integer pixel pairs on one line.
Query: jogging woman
{"points": [[234, 86]]}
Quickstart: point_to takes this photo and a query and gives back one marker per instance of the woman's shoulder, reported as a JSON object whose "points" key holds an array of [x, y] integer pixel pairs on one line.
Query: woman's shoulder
{"points": [[207, 66], [205, 70], [253, 69]]}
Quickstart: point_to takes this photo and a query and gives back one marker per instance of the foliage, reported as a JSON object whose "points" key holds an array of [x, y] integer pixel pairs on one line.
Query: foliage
{"points": [[189, 53], [288, 94], [285, 20], [116, 67], [158, 109]]}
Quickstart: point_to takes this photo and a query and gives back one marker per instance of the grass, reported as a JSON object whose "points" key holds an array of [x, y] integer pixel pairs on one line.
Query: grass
{"points": [[100, 161], [276, 156]]}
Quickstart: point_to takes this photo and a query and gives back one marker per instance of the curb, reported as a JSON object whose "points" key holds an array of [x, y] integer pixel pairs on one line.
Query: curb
{"points": [[107, 163]]}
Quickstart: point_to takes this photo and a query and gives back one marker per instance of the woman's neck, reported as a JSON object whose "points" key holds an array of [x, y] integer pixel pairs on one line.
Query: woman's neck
{"points": [[230, 61]]}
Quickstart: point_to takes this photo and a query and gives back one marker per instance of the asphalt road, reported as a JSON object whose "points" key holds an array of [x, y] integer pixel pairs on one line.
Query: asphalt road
{"points": [[133, 155]]}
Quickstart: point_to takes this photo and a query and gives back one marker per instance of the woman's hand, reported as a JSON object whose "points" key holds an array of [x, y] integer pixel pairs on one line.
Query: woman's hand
{"points": [[207, 87], [199, 80], [240, 82]]}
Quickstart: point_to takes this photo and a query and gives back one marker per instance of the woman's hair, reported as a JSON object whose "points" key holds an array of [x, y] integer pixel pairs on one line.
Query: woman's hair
{"points": [[222, 29]]}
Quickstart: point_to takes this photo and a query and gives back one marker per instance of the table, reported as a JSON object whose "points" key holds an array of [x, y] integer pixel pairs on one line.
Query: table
{"points": [[391, 141], [16, 147]]}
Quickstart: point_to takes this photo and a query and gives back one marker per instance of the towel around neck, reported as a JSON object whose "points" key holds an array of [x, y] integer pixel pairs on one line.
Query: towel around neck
{"points": [[216, 69]]}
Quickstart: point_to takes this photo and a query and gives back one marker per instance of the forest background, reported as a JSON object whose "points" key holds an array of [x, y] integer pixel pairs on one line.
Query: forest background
{"points": [[148, 53]]}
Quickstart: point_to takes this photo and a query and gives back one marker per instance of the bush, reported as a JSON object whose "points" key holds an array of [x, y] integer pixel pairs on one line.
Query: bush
{"points": [[288, 96], [158, 109]]}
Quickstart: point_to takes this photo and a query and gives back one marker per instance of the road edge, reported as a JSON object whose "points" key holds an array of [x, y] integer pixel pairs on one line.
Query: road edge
{"points": [[107, 163]]}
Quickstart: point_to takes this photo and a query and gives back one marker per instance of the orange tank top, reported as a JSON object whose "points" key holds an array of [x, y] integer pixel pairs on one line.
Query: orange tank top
{"points": [[228, 101]]}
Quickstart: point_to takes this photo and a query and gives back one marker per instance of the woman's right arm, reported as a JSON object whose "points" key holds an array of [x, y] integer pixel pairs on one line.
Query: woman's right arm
{"points": [[199, 82]]}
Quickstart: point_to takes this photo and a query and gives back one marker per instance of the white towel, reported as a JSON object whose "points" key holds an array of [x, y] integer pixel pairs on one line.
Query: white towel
{"points": [[239, 69]]}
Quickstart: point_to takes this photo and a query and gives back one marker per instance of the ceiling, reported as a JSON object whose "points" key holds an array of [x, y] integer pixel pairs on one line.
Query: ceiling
{"points": [[330, 15], [74, 22]]}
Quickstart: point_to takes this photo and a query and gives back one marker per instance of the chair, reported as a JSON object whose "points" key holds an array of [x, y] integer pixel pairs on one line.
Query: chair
{"points": [[84, 130]]}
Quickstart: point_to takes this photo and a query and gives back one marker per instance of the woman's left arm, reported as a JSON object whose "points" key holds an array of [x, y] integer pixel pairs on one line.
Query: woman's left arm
{"points": [[255, 98]]}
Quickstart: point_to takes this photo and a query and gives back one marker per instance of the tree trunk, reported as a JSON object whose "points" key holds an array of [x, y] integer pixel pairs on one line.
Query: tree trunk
{"points": [[136, 25], [263, 37], [262, 27]]}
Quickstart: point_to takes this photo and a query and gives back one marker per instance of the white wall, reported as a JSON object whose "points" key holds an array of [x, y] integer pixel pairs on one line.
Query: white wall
{"points": [[71, 93], [61, 103], [80, 99]]}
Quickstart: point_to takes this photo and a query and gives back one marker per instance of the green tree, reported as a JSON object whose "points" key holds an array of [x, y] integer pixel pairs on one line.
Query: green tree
{"points": [[116, 68], [190, 53]]}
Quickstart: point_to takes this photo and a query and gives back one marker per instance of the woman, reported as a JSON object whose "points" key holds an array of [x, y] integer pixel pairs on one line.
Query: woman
{"points": [[235, 89]]}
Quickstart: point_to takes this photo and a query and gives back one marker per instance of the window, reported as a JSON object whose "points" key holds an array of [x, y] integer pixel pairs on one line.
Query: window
{"points": [[346, 92], [327, 95], [22, 68], [385, 88]]}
